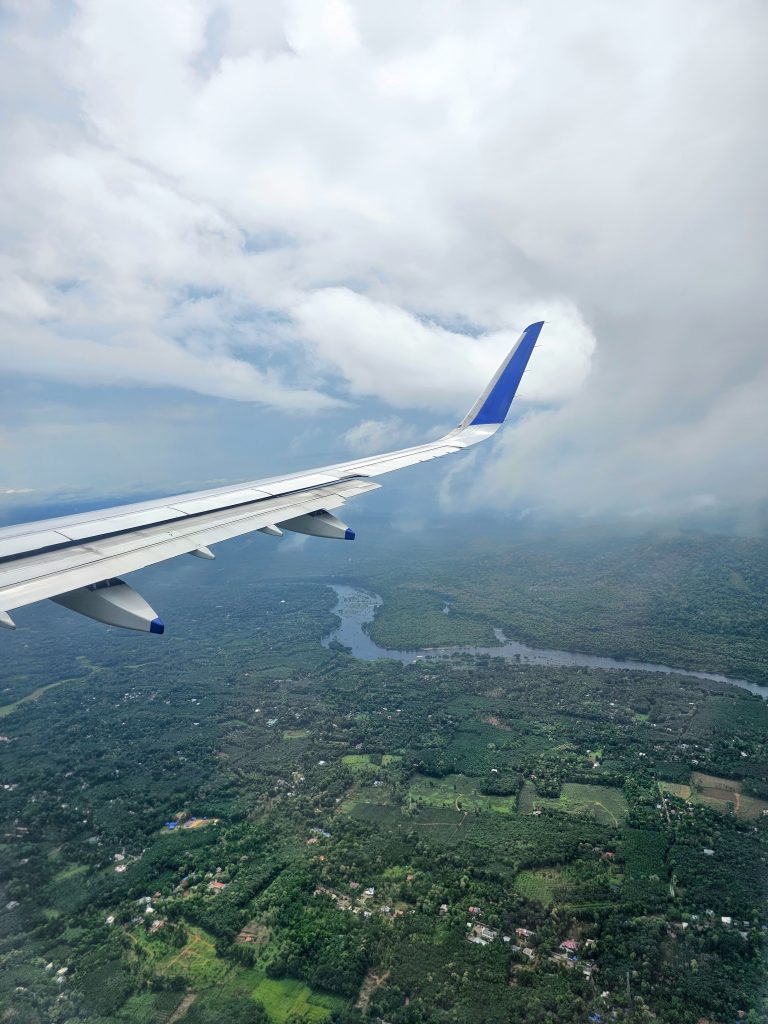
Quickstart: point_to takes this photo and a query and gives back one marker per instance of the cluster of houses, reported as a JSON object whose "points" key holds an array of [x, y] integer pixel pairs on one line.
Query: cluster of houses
{"points": [[567, 956], [481, 935], [361, 904], [567, 953]]}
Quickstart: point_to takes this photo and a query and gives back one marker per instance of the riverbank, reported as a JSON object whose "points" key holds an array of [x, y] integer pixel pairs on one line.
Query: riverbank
{"points": [[356, 608]]}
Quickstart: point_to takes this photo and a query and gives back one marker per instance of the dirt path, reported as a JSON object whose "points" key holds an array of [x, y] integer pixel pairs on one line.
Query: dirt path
{"points": [[182, 1008], [608, 811], [371, 982]]}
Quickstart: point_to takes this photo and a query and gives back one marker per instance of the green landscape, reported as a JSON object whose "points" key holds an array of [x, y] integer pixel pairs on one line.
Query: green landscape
{"points": [[238, 824]]}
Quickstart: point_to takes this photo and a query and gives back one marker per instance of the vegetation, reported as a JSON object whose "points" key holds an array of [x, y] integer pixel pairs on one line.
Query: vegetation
{"points": [[238, 825]]}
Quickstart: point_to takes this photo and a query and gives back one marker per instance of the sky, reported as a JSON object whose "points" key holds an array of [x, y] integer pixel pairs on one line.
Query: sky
{"points": [[243, 237]]}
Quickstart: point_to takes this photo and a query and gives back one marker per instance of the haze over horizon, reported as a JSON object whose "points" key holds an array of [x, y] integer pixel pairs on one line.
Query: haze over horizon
{"points": [[241, 238]]}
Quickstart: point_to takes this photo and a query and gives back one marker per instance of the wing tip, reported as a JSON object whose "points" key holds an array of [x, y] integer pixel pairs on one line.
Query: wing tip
{"points": [[493, 405]]}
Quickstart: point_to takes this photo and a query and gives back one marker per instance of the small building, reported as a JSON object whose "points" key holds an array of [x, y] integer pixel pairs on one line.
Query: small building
{"points": [[481, 934], [570, 945], [216, 886]]}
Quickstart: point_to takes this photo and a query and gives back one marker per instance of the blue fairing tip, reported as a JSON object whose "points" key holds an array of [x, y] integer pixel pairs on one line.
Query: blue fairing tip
{"points": [[497, 402], [157, 626], [349, 534]]}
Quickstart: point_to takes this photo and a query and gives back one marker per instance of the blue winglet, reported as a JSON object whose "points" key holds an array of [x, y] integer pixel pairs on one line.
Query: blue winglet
{"points": [[493, 405], [157, 626]]}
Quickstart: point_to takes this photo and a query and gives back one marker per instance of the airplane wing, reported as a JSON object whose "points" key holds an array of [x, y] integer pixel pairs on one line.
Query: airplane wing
{"points": [[76, 560]]}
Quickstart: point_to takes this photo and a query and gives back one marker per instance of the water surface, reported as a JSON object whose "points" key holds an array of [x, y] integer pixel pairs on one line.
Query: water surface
{"points": [[356, 608]]}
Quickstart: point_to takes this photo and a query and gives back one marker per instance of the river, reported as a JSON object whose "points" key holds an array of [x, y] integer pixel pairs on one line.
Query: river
{"points": [[356, 608]]}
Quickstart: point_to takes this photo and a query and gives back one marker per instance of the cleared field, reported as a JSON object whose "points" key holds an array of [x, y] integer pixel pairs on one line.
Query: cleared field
{"points": [[605, 804], [8, 709], [458, 791], [526, 802], [358, 761], [677, 789], [283, 998], [286, 998], [296, 734], [196, 961], [724, 795], [377, 814], [538, 885]]}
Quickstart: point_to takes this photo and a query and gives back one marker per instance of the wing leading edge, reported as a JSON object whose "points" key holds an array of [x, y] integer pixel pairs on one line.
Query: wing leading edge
{"points": [[75, 560]]}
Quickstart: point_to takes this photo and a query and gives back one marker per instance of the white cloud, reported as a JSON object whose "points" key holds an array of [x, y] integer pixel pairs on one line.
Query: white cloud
{"points": [[371, 436], [385, 351], [288, 202]]}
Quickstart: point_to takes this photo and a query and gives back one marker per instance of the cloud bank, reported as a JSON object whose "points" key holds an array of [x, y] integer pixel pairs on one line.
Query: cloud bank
{"points": [[314, 206]]}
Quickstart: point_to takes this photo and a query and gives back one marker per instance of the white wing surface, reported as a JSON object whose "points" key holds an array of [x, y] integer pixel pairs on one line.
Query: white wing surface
{"points": [[75, 560]]}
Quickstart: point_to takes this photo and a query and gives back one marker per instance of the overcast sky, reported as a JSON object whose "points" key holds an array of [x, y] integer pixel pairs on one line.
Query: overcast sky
{"points": [[244, 236]]}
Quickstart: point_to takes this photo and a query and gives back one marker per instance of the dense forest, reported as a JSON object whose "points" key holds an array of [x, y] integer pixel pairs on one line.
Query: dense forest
{"points": [[236, 824]]}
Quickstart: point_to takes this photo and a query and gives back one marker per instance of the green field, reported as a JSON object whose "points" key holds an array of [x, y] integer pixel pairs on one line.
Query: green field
{"points": [[538, 885], [358, 762], [526, 801], [457, 791], [363, 762], [286, 998], [723, 795], [36, 694], [605, 804], [283, 998]]}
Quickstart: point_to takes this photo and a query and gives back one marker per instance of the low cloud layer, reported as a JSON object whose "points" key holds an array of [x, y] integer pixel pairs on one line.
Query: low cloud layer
{"points": [[319, 206]]}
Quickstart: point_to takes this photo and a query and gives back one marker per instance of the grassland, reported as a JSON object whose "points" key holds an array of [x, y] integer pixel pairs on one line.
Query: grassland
{"points": [[286, 998], [36, 694], [283, 998], [457, 791], [538, 885], [605, 804]]}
